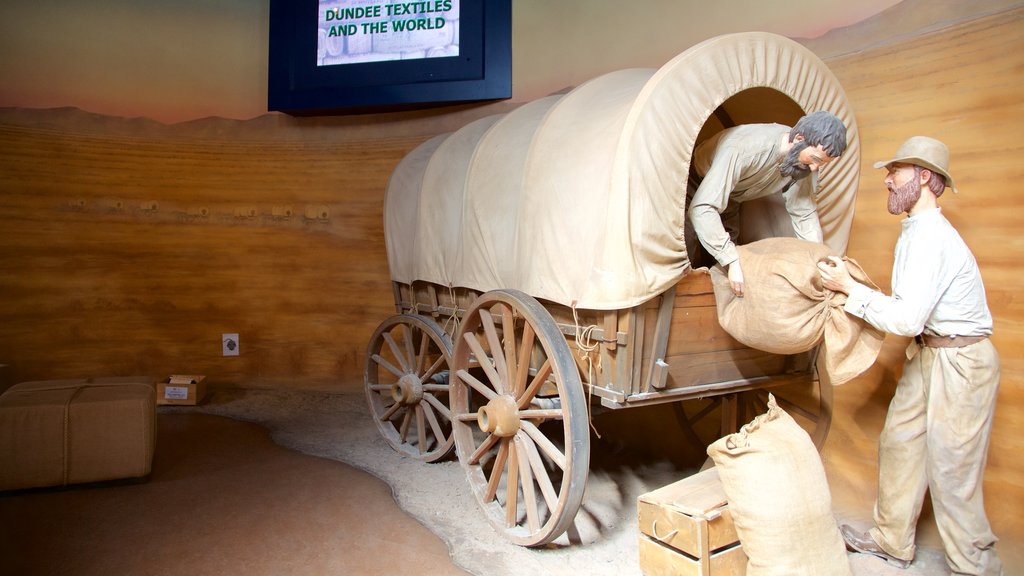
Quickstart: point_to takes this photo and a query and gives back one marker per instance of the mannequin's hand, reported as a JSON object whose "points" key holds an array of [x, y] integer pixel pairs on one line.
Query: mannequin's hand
{"points": [[835, 275], [736, 278]]}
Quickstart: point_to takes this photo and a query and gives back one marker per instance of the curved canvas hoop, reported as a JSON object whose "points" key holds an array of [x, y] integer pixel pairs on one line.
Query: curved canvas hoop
{"points": [[439, 239], [568, 202], [658, 139], [494, 199], [687, 90], [581, 199], [402, 209]]}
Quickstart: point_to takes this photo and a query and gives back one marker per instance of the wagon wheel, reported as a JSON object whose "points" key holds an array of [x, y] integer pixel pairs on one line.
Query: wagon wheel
{"points": [[407, 367], [520, 417], [807, 400]]}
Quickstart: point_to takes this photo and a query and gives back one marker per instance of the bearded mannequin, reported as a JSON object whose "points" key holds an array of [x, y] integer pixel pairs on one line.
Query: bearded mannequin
{"points": [[936, 434], [752, 161]]}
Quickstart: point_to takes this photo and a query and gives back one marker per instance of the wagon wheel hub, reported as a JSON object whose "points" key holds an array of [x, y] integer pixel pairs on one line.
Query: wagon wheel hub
{"points": [[408, 390], [499, 417]]}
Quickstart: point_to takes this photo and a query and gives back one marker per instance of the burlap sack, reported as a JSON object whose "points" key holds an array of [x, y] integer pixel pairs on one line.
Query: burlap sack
{"points": [[779, 498], [786, 310]]}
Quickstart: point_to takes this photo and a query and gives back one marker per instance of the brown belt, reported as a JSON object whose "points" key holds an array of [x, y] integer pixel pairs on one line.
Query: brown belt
{"points": [[947, 341]]}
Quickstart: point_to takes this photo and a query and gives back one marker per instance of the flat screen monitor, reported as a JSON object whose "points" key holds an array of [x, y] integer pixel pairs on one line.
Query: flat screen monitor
{"points": [[355, 56]]}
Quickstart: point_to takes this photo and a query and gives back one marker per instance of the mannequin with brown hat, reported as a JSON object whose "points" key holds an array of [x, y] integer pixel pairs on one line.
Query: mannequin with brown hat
{"points": [[937, 429]]}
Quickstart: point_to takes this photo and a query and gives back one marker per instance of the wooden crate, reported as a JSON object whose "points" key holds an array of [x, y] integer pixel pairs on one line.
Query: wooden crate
{"points": [[686, 529]]}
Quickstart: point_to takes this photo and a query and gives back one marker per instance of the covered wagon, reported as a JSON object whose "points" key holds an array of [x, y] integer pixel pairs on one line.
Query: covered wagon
{"points": [[540, 270]]}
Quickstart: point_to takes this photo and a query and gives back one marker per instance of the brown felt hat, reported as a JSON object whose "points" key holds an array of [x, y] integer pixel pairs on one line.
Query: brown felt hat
{"points": [[924, 152]]}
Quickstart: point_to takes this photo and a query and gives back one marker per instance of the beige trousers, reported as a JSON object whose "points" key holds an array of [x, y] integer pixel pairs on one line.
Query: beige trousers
{"points": [[936, 437]]}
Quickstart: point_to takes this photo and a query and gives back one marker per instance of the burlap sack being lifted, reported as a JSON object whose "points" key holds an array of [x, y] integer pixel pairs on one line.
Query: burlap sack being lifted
{"points": [[786, 310], [779, 498]]}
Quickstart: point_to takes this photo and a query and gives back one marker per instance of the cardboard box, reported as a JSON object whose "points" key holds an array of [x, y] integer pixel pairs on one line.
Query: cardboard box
{"points": [[181, 390], [686, 529]]}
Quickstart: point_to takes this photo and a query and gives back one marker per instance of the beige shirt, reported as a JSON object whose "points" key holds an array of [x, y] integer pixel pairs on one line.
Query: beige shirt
{"points": [[741, 164]]}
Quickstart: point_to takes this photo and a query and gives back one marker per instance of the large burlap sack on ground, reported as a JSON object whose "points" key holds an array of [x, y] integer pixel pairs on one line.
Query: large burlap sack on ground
{"points": [[779, 498], [786, 310]]}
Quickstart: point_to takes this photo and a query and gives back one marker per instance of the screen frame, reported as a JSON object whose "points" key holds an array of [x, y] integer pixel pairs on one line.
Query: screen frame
{"points": [[296, 85]]}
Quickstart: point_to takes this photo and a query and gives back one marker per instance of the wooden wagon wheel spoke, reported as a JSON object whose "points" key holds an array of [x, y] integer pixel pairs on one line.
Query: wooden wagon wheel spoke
{"points": [[441, 408], [508, 331], [793, 408], [550, 450], [526, 481], [398, 373], [531, 391], [511, 440], [546, 488], [807, 398], [703, 412], [397, 352], [430, 371], [500, 367], [539, 414], [421, 426], [390, 412], [420, 353], [428, 414], [403, 431], [412, 360], [485, 448], [485, 362], [491, 491], [408, 361], [477, 385], [512, 487], [523, 368]]}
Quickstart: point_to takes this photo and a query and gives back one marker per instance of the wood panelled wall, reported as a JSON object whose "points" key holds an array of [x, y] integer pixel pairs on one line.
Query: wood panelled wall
{"points": [[133, 255], [965, 86]]}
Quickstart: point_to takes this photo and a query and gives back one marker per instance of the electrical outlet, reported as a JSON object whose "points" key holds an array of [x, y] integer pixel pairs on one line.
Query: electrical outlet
{"points": [[229, 344], [317, 212]]}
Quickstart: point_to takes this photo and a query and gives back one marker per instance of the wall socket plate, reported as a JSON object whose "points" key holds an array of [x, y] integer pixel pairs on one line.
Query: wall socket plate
{"points": [[229, 344]]}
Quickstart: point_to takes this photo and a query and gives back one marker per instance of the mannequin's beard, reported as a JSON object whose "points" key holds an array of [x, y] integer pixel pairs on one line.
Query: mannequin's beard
{"points": [[903, 198], [791, 165]]}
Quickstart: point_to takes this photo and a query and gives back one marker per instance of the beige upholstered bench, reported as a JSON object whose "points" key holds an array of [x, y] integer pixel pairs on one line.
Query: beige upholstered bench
{"points": [[59, 432]]}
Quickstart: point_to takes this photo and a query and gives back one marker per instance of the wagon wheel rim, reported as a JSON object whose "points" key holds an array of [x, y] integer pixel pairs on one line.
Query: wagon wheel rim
{"points": [[408, 363], [519, 413], [808, 400]]}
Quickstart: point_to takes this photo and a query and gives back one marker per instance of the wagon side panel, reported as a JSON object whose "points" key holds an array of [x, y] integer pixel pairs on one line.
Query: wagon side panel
{"points": [[699, 355]]}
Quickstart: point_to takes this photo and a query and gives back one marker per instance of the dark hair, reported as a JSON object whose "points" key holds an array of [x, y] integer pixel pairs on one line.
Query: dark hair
{"points": [[822, 128], [937, 183]]}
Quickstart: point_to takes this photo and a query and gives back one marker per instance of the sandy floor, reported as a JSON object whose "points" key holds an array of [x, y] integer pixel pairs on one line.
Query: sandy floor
{"points": [[338, 427]]}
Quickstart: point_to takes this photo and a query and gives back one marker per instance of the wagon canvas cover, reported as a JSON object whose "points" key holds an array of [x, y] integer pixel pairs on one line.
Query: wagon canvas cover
{"points": [[580, 199]]}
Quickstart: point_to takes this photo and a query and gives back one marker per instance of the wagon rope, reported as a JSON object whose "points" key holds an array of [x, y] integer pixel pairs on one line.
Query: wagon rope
{"points": [[452, 320], [586, 349]]}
